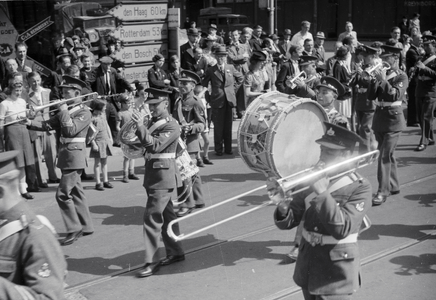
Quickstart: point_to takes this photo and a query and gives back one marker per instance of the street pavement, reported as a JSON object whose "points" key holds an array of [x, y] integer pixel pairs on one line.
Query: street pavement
{"points": [[246, 258]]}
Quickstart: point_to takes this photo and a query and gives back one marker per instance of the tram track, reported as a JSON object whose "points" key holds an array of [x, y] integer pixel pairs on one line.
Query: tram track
{"points": [[283, 294]]}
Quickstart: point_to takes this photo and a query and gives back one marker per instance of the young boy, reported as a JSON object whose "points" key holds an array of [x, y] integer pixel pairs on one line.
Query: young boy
{"points": [[199, 92]]}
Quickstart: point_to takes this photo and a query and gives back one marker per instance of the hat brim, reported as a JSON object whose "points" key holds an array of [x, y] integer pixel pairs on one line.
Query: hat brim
{"points": [[156, 100], [188, 80], [329, 144], [72, 86], [221, 53], [320, 37]]}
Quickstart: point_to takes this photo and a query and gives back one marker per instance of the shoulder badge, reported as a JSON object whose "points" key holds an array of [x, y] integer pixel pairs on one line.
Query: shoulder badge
{"points": [[82, 118], [44, 271], [400, 84], [360, 206], [167, 134]]}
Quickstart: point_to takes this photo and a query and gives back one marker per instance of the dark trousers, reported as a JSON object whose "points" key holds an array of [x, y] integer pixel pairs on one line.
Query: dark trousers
{"points": [[426, 106], [308, 296], [364, 119], [196, 195], [223, 120], [72, 202], [158, 214], [387, 164], [112, 116], [412, 114]]}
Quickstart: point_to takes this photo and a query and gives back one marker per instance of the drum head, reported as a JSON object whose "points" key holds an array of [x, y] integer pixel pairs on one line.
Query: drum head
{"points": [[293, 147]]}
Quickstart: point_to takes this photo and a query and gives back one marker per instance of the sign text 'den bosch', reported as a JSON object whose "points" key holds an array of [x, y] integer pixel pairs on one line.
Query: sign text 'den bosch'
{"points": [[140, 11]]}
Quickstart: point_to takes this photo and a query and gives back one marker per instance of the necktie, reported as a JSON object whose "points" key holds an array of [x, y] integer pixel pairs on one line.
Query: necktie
{"points": [[108, 85]]}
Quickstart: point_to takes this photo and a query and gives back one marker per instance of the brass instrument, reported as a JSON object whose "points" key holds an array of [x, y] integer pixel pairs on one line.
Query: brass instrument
{"points": [[281, 189], [33, 110], [369, 73], [290, 81]]}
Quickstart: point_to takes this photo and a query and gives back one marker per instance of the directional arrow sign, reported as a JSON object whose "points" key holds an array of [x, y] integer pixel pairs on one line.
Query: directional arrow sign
{"points": [[140, 73], [129, 33], [40, 68], [140, 11], [34, 30], [141, 53]]}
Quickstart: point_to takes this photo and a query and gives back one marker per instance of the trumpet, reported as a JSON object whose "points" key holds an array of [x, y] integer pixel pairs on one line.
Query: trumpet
{"points": [[369, 73], [281, 189], [33, 110], [290, 81]]}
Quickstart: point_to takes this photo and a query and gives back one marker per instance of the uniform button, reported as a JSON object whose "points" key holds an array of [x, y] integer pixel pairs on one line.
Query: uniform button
{"points": [[316, 228], [345, 255]]}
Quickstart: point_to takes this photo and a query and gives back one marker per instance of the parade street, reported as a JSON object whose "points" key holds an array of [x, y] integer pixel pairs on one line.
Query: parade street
{"points": [[246, 258]]}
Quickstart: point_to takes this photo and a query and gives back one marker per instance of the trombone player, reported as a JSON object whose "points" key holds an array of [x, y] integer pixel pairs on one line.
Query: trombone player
{"points": [[332, 213], [72, 122]]}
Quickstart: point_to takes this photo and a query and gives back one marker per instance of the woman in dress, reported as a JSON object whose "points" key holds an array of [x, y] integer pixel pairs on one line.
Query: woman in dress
{"points": [[257, 78], [16, 136]]}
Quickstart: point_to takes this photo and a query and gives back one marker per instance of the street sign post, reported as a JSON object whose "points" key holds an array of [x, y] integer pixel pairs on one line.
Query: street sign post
{"points": [[139, 11], [43, 70], [173, 17], [137, 72], [136, 53], [34, 30], [135, 32]]}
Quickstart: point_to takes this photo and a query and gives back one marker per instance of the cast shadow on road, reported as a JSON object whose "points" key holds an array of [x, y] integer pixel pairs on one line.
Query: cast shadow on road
{"points": [[224, 254], [396, 230], [410, 161], [425, 200], [415, 265], [131, 215], [233, 177]]}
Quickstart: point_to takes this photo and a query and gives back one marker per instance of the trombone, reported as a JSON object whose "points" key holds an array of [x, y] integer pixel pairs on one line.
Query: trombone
{"points": [[290, 81], [282, 190], [33, 110]]}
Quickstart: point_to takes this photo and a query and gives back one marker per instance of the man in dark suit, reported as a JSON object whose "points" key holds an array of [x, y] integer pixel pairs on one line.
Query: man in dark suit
{"points": [[256, 41], [160, 139], [289, 68], [107, 81], [212, 32], [285, 44], [187, 50], [24, 65], [412, 56], [225, 80]]}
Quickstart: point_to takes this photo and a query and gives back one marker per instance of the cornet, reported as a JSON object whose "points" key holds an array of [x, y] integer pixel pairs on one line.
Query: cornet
{"points": [[290, 81], [369, 73]]}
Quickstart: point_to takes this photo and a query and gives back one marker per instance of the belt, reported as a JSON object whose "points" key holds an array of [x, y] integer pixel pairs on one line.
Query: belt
{"points": [[71, 140], [388, 104], [318, 239], [362, 90], [424, 78], [159, 155]]}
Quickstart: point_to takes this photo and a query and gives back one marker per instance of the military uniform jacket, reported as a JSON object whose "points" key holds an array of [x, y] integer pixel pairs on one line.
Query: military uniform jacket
{"points": [[361, 88], [31, 261], [331, 268], [72, 127], [389, 118], [426, 84], [160, 173], [190, 111]]}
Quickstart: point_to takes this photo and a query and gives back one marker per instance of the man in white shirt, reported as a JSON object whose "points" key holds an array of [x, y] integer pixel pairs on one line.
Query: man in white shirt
{"points": [[303, 34], [348, 32]]}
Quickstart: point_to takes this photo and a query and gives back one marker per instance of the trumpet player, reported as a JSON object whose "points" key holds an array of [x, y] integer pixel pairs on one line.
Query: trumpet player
{"points": [[388, 87], [364, 107], [331, 214], [289, 68], [307, 86], [426, 91]]}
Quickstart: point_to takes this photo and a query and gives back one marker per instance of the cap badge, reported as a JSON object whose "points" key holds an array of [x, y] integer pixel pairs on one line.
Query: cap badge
{"points": [[330, 132]]}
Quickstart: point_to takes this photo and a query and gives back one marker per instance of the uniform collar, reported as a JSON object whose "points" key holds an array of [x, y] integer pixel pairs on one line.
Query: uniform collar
{"points": [[13, 213]]}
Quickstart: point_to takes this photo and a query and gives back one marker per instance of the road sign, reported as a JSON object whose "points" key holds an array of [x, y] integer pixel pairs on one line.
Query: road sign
{"points": [[8, 36], [137, 72], [173, 17], [140, 11], [137, 32], [141, 53], [34, 30], [43, 70]]}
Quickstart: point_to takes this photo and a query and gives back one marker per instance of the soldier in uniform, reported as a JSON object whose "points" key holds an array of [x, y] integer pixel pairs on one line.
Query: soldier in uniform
{"points": [[32, 264], [426, 91], [160, 139], [306, 87], [388, 87], [72, 121], [189, 112], [364, 107], [332, 214]]}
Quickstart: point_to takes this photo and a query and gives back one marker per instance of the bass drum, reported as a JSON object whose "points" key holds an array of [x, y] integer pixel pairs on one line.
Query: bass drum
{"points": [[277, 134]]}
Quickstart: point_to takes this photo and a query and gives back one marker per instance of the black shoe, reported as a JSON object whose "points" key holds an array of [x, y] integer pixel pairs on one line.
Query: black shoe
{"points": [[57, 180], [43, 185], [85, 233], [421, 147], [116, 145], [148, 270], [200, 163], [219, 153], [108, 185], [200, 205], [27, 196], [183, 211], [87, 177], [133, 177], [207, 161], [170, 259], [379, 199], [229, 152], [395, 192], [99, 187], [125, 179], [71, 238], [430, 142], [33, 189]]}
